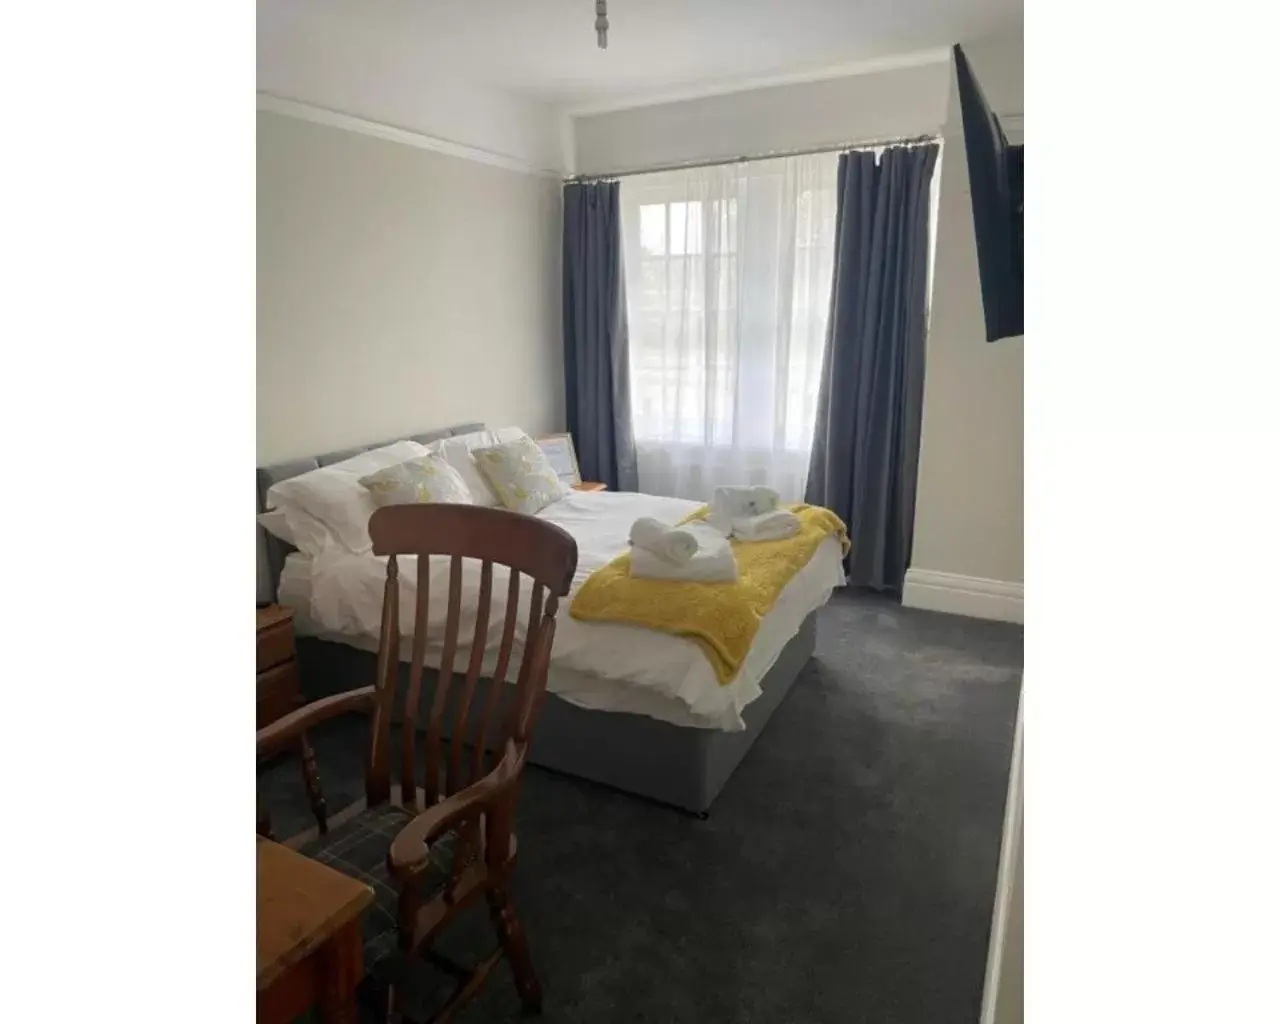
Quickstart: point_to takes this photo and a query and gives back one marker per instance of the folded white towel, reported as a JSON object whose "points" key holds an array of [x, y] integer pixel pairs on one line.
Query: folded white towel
{"points": [[729, 503], [777, 525], [675, 544], [714, 562]]}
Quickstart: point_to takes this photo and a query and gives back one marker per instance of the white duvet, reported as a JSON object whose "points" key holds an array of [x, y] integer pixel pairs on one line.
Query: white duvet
{"points": [[595, 665]]}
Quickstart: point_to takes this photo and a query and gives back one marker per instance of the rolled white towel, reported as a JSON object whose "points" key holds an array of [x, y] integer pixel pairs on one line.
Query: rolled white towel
{"points": [[776, 525], [675, 544], [714, 562], [729, 503]]}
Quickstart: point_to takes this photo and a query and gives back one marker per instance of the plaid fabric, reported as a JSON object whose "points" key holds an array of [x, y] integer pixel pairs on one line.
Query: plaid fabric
{"points": [[358, 848]]}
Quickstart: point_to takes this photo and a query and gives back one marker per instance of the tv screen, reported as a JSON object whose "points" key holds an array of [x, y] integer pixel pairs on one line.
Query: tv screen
{"points": [[995, 189]]}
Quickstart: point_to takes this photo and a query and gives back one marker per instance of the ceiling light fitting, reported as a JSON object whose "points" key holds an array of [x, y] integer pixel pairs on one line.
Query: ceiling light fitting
{"points": [[602, 24]]}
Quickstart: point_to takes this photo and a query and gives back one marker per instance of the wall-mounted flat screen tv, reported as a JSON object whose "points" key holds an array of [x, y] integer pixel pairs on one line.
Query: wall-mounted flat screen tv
{"points": [[995, 189]]}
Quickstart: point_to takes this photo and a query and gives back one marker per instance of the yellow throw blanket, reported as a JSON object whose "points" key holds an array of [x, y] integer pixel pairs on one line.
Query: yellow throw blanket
{"points": [[721, 618]]}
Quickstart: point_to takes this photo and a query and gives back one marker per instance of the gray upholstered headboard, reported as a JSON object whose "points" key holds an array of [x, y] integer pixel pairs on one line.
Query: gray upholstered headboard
{"points": [[272, 550]]}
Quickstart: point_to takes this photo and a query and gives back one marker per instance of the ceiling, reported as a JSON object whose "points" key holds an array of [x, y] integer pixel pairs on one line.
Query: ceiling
{"points": [[546, 49]]}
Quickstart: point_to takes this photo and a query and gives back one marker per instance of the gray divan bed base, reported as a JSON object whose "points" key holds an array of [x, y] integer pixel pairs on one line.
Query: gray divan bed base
{"points": [[681, 766], [677, 765]]}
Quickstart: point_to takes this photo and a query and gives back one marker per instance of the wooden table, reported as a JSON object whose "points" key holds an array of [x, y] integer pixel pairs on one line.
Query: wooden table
{"points": [[310, 945], [590, 485]]}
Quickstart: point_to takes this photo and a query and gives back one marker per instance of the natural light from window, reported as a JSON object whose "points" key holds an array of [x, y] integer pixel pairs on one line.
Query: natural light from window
{"points": [[728, 273]]}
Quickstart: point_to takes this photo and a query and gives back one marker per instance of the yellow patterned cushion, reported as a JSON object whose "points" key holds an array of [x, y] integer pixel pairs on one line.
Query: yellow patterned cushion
{"points": [[416, 482], [520, 475]]}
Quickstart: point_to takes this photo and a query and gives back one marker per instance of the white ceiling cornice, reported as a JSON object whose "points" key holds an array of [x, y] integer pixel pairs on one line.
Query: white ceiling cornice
{"points": [[724, 88], [391, 133]]}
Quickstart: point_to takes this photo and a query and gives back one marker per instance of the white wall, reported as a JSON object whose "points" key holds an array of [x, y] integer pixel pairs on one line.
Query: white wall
{"points": [[997, 61], [802, 115], [399, 290], [967, 547]]}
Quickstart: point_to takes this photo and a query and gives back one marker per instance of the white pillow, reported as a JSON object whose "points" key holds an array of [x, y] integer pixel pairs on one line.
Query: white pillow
{"points": [[505, 434], [457, 451], [417, 481], [296, 527], [276, 523], [332, 495], [376, 458], [521, 475]]}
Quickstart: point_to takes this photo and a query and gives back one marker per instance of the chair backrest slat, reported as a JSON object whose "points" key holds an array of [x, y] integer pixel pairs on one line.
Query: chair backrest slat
{"points": [[526, 663], [444, 681], [377, 770], [533, 678], [522, 545], [408, 783], [479, 638], [511, 615], [535, 612]]}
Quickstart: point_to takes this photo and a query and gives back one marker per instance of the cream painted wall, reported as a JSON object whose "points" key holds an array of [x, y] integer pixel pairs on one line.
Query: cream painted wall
{"points": [[830, 112], [399, 290], [967, 548]]}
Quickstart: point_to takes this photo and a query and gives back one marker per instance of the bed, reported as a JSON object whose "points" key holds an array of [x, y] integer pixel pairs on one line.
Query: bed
{"points": [[627, 707]]}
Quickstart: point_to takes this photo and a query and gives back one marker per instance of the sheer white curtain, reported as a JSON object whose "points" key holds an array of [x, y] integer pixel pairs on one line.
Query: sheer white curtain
{"points": [[728, 273]]}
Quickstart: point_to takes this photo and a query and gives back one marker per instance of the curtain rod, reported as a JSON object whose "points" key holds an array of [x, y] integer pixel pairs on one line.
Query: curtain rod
{"points": [[912, 140]]}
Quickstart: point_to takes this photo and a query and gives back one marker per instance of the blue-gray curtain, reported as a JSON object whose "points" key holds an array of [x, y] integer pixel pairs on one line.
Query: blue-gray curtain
{"points": [[596, 362], [866, 443]]}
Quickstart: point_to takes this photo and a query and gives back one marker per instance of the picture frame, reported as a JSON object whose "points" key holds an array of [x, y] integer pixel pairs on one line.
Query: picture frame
{"points": [[560, 452]]}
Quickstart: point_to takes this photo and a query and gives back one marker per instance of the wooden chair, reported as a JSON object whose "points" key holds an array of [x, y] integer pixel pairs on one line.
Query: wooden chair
{"points": [[430, 852]]}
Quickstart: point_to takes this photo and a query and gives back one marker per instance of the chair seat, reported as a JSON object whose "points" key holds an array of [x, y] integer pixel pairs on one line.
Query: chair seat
{"points": [[358, 848]]}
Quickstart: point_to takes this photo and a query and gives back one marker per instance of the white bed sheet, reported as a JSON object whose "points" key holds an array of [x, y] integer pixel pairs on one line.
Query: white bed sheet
{"points": [[294, 591], [602, 666]]}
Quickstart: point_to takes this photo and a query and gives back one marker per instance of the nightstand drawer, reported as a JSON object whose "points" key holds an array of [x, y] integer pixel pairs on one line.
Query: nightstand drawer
{"points": [[275, 645], [278, 692]]}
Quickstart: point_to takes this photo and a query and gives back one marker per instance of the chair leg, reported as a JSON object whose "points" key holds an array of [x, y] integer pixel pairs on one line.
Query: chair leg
{"points": [[515, 946], [391, 1010], [381, 1002], [311, 777]]}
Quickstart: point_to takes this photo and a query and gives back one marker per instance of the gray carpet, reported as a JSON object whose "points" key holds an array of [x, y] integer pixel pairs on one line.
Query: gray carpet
{"points": [[846, 872]]}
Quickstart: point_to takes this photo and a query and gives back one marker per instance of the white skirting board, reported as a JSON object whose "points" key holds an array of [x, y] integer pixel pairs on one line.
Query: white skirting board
{"points": [[963, 595]]}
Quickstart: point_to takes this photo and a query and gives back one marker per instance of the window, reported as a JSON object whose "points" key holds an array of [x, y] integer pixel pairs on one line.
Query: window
{"points": [[681, 255], [728, 273]]}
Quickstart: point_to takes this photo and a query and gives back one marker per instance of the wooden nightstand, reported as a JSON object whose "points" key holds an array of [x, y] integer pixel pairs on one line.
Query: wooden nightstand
{"points": [[279, 691], [590, 485]]}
